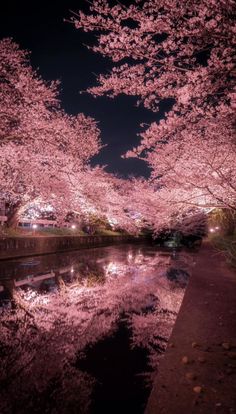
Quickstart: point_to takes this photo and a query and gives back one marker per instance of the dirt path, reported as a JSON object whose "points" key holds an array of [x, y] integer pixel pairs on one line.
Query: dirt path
{"points": [[198, 371]]}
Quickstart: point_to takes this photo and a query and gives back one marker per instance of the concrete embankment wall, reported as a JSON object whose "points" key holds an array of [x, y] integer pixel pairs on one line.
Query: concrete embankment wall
{"points": [[30, 246]]}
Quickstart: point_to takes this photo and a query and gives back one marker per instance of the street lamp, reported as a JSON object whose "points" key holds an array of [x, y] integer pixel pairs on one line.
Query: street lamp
{"points": [[35, 226]]}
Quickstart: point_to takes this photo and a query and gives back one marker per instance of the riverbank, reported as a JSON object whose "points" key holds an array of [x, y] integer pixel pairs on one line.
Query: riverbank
{"points": [[227, 245], [15, 247], [198, 371]]}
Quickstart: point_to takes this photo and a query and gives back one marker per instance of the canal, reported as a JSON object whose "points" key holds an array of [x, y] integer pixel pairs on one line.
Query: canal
{"points": [[83, 332]]}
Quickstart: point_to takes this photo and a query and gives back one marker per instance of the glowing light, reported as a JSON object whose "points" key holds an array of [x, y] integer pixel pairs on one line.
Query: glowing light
{"points": [[72, 270], [212, 230], [73, 226], [217, 228], [113, 222], [112, 268], [35, 226], [139, 258]]}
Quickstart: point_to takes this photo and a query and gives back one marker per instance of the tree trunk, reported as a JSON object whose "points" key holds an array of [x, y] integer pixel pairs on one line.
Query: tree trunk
{"points": [[10, 291], [13, 215]]}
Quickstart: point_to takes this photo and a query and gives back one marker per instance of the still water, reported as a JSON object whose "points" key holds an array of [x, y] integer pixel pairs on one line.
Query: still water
{"points": [[83, 332]]}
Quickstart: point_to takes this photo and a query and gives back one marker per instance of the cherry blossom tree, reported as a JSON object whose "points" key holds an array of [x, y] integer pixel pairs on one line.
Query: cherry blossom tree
{"points": [[179, 51], [41, 147], [45, 153], [198, 170], [183, 53], [25, 98], [128, 204]]}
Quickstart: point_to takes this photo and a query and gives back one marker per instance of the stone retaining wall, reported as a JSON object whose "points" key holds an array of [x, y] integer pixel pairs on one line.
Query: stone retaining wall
{"points": [[11, 247]]}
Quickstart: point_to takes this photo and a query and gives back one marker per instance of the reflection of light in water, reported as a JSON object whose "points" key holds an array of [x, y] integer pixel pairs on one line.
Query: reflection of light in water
{"points": [[81, 315], [112, 268], [130, 256], [44, 300], [174, 254], [116, 268], [139, 258], [36, 299]]}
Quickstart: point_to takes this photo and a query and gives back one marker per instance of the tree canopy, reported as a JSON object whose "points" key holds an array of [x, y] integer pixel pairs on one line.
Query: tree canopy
{"points": [[181, 52]]}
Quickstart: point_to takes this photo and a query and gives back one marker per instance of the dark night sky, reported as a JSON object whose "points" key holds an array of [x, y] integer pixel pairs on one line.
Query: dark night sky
{"points": [[58, 52]]}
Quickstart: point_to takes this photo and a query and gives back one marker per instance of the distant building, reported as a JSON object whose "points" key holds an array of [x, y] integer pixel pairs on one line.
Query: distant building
{"points": [[29, 222]]}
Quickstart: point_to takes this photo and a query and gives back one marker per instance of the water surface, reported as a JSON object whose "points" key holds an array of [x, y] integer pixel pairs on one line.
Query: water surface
{"points": [[83, 332]]}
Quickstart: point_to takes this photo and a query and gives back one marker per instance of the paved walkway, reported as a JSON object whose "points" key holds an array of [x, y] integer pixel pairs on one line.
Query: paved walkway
{"points": [[198, 371]]}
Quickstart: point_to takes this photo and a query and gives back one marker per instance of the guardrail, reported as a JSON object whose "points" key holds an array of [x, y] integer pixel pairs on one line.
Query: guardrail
{"points": [[11, 247]]}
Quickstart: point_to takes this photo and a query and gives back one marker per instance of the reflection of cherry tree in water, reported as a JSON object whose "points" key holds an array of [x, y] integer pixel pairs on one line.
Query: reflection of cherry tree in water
{"points": [[45, 336]]}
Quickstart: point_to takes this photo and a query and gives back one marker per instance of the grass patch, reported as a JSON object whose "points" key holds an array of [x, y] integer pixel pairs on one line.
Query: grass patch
{"points": [[40, 232], [10, 232], [226, 245], [52, 231], [104, 232], [57, 231]]}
